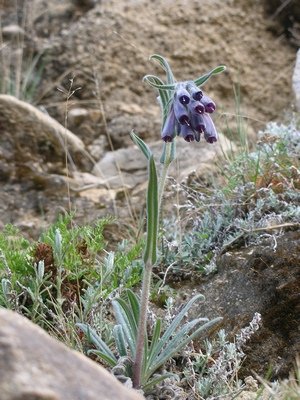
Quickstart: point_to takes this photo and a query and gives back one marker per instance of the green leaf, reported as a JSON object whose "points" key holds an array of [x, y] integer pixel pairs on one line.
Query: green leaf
{"points": [[119, 337], [134, 303], [141, 144], [112, 362], [152, 215], [166, 93], [97, 341], [157, 379], [126, 320], [173, 326], [155, 337], [165, 65], [157, 83], [202, 79]]}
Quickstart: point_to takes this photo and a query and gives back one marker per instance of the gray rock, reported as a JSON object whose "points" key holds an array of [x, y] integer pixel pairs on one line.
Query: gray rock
{"points": [[128, 167], [35, 366]]}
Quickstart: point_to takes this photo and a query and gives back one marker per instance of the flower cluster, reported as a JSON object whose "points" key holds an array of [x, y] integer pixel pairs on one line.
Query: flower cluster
{"points": [[189, 115]]}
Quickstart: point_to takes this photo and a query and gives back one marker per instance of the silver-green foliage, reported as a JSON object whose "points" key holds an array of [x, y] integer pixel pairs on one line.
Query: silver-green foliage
{"points": [[159, 347]]}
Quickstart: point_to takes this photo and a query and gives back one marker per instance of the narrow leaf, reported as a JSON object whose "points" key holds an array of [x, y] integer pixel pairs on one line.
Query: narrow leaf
{"points": [[141, 144], [123, 320], [119, 337], [179, 342], [130, 316], [165, 65], [173, 326], [157, 379], [152, 215], [96, 340], [157, 83], [202, 79], [168, 154], [134, 303], [155, 337], [112, 362], [166, 93]]}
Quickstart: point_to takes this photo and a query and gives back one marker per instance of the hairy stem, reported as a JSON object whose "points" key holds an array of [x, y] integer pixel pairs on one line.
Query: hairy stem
{"points": [[138, 362], [164, 173]]}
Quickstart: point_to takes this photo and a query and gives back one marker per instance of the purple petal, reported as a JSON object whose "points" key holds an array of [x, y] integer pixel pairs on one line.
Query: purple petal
{"points": [[181, 112], [195, 92], [187, 133], [196, 107], [198, 123], [210, 132], [209, 105], [182, 95], [169, 129]]}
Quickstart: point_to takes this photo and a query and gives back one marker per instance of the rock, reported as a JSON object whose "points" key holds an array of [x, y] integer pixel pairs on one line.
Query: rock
{"points": [[296, 81], [128, 167], [12, 31], [77, 115], [35, 366], [25, 118]]}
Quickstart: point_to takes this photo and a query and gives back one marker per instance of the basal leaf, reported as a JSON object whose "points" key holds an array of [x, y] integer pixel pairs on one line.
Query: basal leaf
{"points": [[120, 340], [97, 341], [112, 362]]}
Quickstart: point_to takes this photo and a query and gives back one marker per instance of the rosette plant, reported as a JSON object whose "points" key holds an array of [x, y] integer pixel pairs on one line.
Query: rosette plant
{"points": [[186, 112]]}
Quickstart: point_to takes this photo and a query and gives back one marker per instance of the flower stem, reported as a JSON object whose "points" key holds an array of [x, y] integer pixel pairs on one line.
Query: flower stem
{"points": [[142, 326], [137, 366], [164, 173]]}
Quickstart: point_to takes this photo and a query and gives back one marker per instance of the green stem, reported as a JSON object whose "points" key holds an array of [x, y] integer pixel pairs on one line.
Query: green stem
{"points": [[164, 172], [138, 362]]}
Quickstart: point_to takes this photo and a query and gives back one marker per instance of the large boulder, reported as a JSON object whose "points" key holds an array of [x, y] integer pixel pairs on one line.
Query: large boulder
{"points": [[35, 366]]}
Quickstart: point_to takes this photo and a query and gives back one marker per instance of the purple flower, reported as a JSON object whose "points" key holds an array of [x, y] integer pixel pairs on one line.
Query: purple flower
{"points": [[209, 105], [210, 133], [195, 92], [181, 112], [187, 133], [182, 95], [198, 123], [188, 115], [196, 107], [169, 130]]}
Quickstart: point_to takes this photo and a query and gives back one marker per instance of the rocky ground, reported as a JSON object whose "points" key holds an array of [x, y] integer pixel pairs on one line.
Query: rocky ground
{"points": [[90, 59]]}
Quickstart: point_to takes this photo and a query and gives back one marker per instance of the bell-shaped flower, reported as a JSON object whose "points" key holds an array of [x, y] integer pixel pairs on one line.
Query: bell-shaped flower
{"points": [[170, 127], [187, 133], [209, 105], [195, 92], [182, 94], [210, 132], [181, 112], [198, 123], [196, 107]]}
